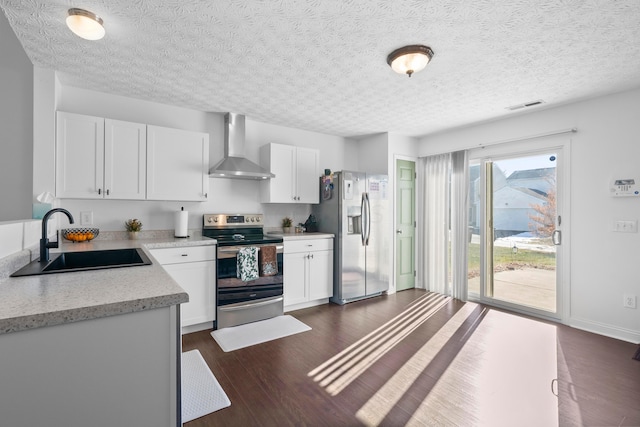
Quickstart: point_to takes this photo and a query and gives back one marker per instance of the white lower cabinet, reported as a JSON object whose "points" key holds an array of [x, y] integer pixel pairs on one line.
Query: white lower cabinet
{"points": [[110, 371], [308, 271], [194, 268]]}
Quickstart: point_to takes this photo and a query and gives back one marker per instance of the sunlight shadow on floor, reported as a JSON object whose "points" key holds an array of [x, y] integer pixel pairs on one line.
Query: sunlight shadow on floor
{"points": [[500, 376], [339, 371]]}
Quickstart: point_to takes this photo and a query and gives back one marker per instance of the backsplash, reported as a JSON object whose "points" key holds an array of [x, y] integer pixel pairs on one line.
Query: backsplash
{"points": [[18, 244], [273, 214]]}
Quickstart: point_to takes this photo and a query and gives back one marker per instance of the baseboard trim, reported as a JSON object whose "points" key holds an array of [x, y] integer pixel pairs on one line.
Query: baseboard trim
{"points": [[196, 328], [605, 329], [300, 306]]}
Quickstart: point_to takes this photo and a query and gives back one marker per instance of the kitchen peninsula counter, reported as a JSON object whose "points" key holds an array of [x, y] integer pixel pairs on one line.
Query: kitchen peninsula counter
{"points": [[30, 302], [99, 348]]}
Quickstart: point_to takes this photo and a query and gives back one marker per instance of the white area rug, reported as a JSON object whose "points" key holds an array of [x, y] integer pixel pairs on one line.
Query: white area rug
{"points": [[237, 337], [201, 392]]}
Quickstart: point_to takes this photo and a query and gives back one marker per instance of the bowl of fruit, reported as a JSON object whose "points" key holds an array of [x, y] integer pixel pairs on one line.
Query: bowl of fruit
{"points": [[80, 234]]}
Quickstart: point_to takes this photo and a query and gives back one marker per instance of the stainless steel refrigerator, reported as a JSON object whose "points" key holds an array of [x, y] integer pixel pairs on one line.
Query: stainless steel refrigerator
{"points": [[355, 207]]}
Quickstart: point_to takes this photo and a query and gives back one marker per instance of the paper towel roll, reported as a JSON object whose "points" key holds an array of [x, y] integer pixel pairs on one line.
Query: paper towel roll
{"points": [[182, 223]]}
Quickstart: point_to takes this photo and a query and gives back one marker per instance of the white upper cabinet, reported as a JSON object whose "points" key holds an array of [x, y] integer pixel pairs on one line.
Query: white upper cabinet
{"points": [[177, 164], [99, 158], [308, 175], [79, 156], [297, 173], [125, 160], [280, 160]]}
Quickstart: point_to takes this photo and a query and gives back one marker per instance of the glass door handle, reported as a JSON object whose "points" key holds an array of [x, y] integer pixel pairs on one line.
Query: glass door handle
{"points": [[363, 216], [557, 237], [368, 218]]}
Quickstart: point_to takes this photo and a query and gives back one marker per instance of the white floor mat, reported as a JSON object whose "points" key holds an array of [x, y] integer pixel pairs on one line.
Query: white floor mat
{"points": [[201, 392], [237, 337]]}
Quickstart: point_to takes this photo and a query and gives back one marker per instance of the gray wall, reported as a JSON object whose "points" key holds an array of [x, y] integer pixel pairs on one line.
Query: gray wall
{"points": [[16, 127]]}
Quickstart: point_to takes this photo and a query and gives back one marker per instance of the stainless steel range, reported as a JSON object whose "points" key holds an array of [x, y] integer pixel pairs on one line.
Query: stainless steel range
{"points": [[239, 301]]}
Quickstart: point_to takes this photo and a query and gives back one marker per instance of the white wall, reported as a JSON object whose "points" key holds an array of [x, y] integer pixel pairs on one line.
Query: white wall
{"points": [[16, 132], [45, 85], [603, 263], [351, 155], [402, 146], [373, 153], [226, 195]]}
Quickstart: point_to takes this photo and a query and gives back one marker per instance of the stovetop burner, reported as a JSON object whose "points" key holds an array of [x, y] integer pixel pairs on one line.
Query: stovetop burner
{"points": [[237, 229]]}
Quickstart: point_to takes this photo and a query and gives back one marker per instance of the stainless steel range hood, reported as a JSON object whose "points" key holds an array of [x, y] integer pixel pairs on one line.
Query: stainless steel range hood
{"points": [[234, 164]]}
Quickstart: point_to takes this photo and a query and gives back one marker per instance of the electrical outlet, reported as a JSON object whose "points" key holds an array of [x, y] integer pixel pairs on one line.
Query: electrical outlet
{"points": [[629, 301], [86, 218]]}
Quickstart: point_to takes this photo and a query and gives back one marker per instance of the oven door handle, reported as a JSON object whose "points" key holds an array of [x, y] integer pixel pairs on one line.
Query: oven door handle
{"points": [[234, 251], [242, 306]]}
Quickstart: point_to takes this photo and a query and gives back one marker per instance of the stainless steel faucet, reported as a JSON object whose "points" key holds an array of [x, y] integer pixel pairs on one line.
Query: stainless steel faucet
{"points": [[44, 241]]}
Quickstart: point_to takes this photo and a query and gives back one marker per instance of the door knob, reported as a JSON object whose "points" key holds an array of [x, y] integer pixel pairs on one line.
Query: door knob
{"points": [[399, 231]]}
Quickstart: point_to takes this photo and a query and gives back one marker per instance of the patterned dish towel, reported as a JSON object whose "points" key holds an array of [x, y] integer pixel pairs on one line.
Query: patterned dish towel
{"points": [[247, 267], [268, 261]]}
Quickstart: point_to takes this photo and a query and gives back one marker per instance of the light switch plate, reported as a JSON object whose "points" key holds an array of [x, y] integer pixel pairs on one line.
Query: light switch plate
{"points": [[628, 226]]}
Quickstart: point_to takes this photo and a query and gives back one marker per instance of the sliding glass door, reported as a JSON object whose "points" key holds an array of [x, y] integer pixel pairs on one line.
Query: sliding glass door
{"points": [[515, 226]]}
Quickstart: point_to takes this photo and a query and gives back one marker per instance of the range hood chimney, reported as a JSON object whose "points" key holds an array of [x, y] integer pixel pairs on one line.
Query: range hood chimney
{"points": [[234, 164]]}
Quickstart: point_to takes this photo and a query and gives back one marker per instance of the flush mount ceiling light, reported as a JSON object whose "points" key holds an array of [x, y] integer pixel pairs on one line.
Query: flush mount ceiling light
{"points": [[85, 24], [410, 59]]}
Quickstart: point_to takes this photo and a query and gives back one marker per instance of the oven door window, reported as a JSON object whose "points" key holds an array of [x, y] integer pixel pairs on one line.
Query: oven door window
{"points": [[232, 290]]}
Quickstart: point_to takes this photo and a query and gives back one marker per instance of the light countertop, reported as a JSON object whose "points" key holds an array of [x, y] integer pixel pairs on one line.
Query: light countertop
{"points": [[36, 301], [302, 236]]}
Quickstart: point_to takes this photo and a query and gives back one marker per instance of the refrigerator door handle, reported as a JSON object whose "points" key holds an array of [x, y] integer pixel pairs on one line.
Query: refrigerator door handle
{"points": [[363, 219], [368, 219]]}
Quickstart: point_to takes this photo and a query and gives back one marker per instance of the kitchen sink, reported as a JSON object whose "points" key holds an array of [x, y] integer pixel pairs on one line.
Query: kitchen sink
{"points": [[86, 260]]}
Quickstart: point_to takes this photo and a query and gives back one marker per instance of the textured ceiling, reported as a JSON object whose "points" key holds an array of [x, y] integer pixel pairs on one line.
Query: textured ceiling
{"points": [[321, 65]]}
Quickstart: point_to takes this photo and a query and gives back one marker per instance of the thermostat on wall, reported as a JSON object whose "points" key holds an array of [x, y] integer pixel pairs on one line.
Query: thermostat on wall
{"points": [[625, 188]]}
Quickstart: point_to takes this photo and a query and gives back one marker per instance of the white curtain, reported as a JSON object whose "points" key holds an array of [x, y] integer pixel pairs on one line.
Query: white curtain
{"points": [[445, 184], [459, 223], [435, 223]]}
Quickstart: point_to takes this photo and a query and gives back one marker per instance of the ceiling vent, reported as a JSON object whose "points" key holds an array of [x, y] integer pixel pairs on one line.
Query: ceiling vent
{"points": [[525, 105]]}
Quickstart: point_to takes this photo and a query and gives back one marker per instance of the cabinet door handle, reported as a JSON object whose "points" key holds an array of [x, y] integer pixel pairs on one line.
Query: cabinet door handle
{"points": [[107, 192], [99, 191], [185, 254]]}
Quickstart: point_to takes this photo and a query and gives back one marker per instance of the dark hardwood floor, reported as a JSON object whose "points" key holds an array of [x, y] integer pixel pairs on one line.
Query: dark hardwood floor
{"points": [[415, 358]]}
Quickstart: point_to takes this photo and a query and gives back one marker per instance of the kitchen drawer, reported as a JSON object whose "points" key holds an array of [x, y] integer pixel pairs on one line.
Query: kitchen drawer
{"points": [[184, 254], [308, 245]]}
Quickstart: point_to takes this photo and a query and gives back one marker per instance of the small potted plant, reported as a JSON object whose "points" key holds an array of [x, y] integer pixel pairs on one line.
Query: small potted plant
{"points": [[133, 226], [286, 224]]}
